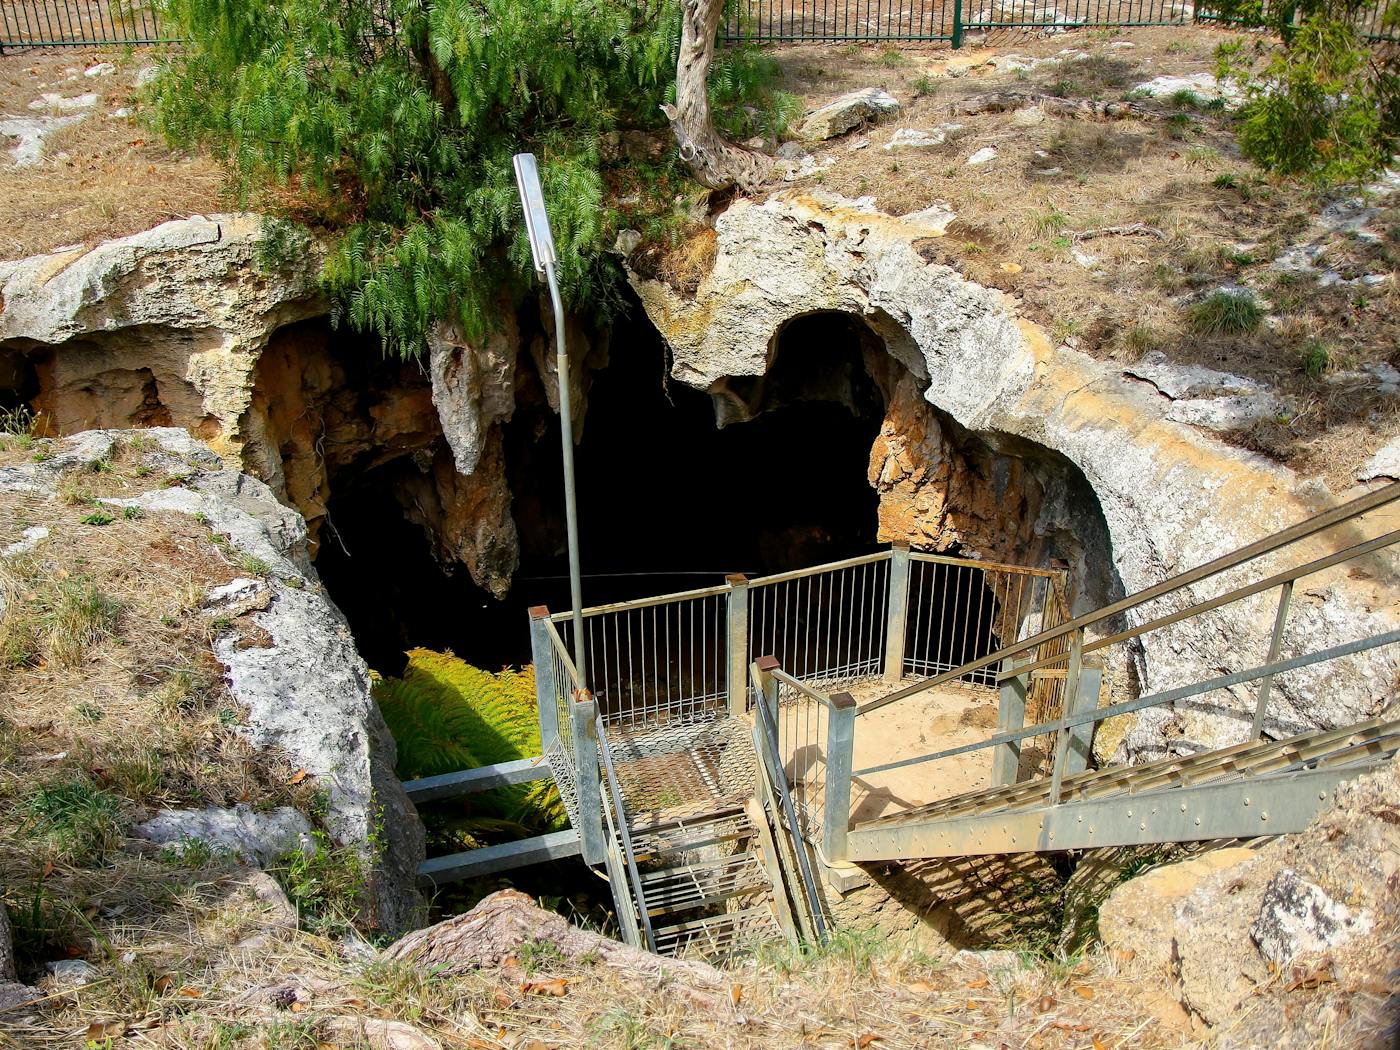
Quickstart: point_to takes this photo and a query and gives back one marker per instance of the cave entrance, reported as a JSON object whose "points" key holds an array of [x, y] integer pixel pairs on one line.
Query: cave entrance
{"points": [[677, 487]]}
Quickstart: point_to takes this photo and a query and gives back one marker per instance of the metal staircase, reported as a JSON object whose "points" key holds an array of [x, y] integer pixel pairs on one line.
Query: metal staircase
{"points": [[708, 783]]}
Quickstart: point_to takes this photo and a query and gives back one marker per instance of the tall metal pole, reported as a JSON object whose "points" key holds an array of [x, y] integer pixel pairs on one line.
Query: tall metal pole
{"points": [[527, 178]]}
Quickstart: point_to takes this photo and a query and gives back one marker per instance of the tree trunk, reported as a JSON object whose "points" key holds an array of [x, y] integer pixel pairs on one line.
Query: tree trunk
{"points": [[714, 161], [489, 935]]}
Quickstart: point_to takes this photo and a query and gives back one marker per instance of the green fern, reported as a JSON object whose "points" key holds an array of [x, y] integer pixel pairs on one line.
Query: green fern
{"points": [[447, 715]]}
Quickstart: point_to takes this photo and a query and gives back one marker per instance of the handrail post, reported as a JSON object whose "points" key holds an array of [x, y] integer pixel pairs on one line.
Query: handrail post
{"points": [[836, 808], [1285, 599], [768, 691], [897, 612], [1076, 663], [584, 711], [738, 644], [1011, 715], [546, 688], [1081, 737]]}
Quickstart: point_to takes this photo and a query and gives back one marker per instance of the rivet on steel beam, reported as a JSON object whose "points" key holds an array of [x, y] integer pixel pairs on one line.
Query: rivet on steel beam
{"points": [[1142, 826], [1264, 815], [1183, 807], [1130, 812], [1198, 822]]}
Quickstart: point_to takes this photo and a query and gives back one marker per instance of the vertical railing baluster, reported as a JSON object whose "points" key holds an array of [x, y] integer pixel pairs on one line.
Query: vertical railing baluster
{"points": [[1011, 715], [1285, 600]]}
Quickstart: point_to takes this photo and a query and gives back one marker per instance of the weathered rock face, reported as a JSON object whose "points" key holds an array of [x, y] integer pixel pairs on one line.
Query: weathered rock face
{"points": [[1171, 496], [306, 693], [1283, 944], [189, 325], [164, 327]]}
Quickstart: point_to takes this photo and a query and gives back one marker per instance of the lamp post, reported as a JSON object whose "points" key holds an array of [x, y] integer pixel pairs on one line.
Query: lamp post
{"points": [[527, 178]]}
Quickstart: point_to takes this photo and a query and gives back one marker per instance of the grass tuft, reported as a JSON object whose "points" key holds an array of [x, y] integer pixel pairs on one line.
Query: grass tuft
{"points": [[1226, 313], [73, 820]]}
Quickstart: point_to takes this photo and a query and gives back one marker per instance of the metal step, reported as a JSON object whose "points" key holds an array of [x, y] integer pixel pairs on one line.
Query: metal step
{"points": [[689, 887], [687, 834], [719, 936]]}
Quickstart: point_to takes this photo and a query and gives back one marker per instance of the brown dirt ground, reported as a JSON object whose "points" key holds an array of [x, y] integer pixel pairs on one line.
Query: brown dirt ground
{"points": [[1182, 173], [101, 178]]}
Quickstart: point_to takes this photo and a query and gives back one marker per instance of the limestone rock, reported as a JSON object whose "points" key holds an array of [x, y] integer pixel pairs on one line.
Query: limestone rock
{"points": [[68, 974], [179, 313], [473, 386], [1385, 464], [29, 134], [915, 138], [1321, 900], [1170, 495], [1204, 85], [240, 832], [1136, 920], [308, 692], [985, 155], [1298, 917], [852, 110]]}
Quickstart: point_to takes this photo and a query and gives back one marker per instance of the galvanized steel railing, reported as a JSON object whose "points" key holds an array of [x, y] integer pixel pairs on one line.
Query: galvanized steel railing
{"points": [[657, 661], [826, 624], [1019, 664]]}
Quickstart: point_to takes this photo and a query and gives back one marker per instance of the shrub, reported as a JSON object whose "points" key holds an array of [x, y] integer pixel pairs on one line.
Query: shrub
{"points": [[1325, 106], [73, 819], [1226, 313], [394, 122]]}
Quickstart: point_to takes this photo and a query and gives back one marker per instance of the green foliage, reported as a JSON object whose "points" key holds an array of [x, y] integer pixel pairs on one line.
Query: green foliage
{"points": [[326, 884], [72, 820], [1226, 313], [394, 122], [447, 715], [1314, 356], [1325, 104]]}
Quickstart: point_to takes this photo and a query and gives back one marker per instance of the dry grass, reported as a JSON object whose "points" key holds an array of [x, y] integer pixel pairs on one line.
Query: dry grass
{"points": [[114, 702], [295, 990], [101, 178], [1180, 172]]}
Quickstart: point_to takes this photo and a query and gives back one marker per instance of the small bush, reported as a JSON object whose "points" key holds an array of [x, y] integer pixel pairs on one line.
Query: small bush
{"points": [[1226, 313], [1314, 355], [98, 518], [1325, 106], [81, 617], [254, 565], [325, 886], [73, 820]]}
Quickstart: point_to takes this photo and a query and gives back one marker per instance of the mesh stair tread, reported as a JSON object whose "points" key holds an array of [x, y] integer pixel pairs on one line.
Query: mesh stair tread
{"points": [[718, 936], [693, 886]]}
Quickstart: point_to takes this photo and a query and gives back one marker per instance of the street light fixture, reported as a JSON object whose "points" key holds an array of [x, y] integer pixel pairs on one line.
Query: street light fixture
{"points": [[527, 178]]}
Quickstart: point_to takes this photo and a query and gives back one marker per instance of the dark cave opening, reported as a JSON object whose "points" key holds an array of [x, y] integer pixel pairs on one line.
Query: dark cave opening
{"points": [[669, 499]]}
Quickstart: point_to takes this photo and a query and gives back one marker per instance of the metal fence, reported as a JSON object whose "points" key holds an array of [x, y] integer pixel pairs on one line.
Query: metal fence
{"points": [[70, 23], [779, 21], [65, 23]]}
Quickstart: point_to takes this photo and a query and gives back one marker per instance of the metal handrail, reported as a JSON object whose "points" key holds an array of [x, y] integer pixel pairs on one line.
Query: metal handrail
{"points": [[629, 857], [816, 570], [772, 764], [644, 603], [1143, 702], [991, 566], [1268, 545], [801, 687]]}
